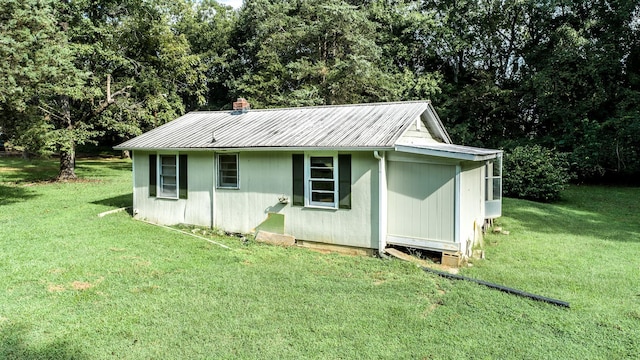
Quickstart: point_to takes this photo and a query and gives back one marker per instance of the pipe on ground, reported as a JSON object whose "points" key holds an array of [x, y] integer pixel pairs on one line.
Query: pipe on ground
{"points": [[499, 287]]}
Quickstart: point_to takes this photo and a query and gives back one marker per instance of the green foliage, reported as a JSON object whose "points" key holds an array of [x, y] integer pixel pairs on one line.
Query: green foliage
{"points": [[562, 75], [535, 173], [78, 70], [318, 52]]}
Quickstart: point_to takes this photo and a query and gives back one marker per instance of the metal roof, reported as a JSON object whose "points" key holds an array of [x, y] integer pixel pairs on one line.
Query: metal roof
{"points": [[344, 126]]}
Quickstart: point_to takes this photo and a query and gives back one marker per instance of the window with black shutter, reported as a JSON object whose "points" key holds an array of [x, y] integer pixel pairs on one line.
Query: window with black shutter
{"points": [[322, 180], [168, 176]]}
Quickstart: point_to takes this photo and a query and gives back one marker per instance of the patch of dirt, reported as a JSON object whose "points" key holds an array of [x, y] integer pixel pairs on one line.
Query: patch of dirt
{"points": [[117, 249], [81, 285], [57, 271], [433, 307], [379, 278], [52, 288]]}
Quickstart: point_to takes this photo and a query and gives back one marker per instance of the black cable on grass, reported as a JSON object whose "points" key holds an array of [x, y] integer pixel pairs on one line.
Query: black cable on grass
{"points": [[499, 287]]}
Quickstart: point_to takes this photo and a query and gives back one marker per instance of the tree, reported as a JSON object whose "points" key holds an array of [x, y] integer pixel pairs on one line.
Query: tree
{"points": [[308, 53], [207, 27], [127, 46], [37, 63], [578, 82]]}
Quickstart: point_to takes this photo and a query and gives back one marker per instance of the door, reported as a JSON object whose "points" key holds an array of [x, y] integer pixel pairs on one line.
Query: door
{"points": [[421, 204]]}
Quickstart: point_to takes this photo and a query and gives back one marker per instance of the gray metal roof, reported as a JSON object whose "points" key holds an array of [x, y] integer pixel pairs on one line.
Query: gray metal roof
{"points": [[345, 126]]}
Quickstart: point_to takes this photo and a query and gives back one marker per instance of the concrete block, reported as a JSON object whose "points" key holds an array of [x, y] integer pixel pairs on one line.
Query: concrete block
{"points": [[275, 239], [452, 260]]}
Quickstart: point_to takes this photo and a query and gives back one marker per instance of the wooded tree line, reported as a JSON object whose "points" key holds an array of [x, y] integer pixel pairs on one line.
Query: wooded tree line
{"points": [[564, 74]]}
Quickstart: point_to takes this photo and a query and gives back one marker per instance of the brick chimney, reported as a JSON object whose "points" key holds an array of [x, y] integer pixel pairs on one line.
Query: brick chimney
{"points": [[242, 105]]}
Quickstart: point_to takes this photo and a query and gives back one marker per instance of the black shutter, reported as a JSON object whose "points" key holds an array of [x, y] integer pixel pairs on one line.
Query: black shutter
{"points": [[182, 176], [344, 181], [298, 179], [153, 174]]}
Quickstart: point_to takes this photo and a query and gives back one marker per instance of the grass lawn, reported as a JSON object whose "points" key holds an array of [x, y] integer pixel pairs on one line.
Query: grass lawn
{"points": [[77, 286]]}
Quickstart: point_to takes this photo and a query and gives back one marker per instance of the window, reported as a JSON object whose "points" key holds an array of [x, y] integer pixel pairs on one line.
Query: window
{"points": [[168, 176], [228, 171], [493, 186], [323, 181], [168, 186]]}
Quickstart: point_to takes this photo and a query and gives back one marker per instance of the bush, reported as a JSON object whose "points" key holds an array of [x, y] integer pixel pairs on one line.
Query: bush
{"points": [[535, 173]]}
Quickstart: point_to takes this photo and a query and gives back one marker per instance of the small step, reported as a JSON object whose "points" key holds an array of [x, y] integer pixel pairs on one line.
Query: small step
{"points": [[404, 256]]}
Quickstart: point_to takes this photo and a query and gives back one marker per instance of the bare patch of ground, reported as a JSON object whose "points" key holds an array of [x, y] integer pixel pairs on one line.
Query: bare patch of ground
{"points": [[52, 288], [81, 285]]}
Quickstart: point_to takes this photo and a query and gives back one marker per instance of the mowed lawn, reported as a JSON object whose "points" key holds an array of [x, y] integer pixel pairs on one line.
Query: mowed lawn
{"points": [[76, 286]]}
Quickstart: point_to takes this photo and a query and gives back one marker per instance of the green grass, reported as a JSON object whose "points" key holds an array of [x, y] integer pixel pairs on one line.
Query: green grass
{"points": [[77, 286]]}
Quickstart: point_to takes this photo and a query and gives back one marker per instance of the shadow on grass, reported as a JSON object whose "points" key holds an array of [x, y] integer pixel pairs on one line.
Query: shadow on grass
{"points": [[119, 165], [15, 346], [602, 212], [116, 201], [27, 171], [13, 194], [101, 168]]}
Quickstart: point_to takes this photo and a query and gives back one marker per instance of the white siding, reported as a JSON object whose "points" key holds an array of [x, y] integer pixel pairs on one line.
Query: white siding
{"points": [[195, 210], [421, 200], [417, 134], [265, 176], [471, 204]]}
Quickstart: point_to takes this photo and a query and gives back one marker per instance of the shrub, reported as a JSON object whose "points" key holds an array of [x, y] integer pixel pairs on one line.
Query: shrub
{"points": [[535, 173]]}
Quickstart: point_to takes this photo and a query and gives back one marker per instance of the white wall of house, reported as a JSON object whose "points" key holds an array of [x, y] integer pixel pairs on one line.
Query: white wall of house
{"points": [[421, 199], [195, 210], [471, 204], [421, 211], [266, 176]]}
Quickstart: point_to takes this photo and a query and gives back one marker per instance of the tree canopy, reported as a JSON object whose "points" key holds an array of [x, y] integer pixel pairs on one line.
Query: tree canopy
{"points": [[562, 74]]}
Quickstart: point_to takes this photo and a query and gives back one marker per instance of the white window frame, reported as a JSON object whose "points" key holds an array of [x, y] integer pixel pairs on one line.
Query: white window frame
{"points": [[493, 177], [308, 180], [160, 177], [219, 183]]}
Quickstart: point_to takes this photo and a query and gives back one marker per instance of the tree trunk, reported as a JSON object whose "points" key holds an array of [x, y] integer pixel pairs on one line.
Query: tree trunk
{"points": [[67, 165], [67, 153]]}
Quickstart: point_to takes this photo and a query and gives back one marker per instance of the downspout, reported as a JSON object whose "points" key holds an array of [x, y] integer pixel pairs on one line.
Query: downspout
{"points": [[456, 209], [213, 192], [382, 202], [134, 208]]}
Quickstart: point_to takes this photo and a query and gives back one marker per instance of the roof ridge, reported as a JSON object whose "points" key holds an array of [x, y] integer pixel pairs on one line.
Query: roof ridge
{"points": [[319, 106]]}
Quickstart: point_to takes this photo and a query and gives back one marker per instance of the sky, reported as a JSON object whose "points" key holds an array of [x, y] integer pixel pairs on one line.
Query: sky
{"points": [[234, 3]]}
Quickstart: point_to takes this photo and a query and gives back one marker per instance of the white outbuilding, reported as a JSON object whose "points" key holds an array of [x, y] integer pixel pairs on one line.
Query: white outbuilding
{"points": [[360, 176]]}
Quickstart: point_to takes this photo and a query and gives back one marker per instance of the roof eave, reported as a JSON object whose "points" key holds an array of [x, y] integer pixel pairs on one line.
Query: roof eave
{"points": [[271, 148], [447, 154]]}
